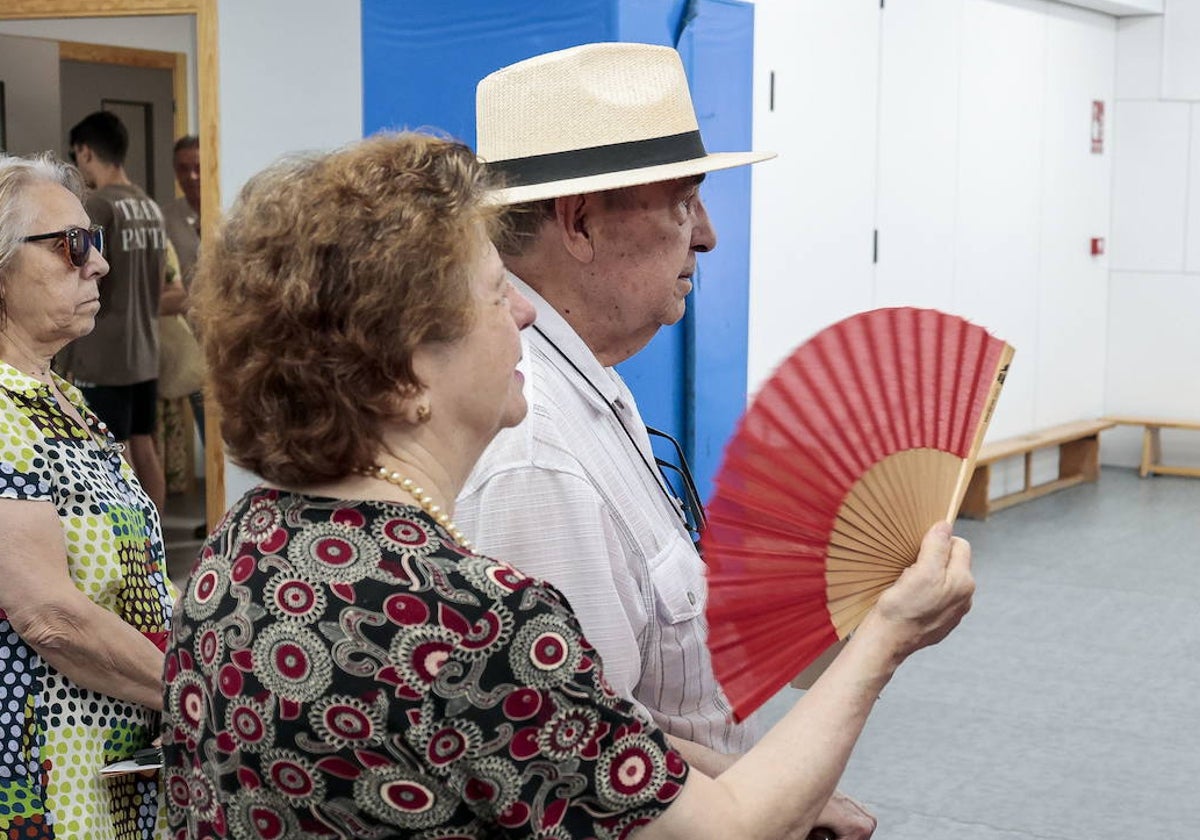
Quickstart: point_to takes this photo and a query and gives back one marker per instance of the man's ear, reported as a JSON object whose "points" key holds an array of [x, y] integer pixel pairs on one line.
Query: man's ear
{"points": [[572, 219]]}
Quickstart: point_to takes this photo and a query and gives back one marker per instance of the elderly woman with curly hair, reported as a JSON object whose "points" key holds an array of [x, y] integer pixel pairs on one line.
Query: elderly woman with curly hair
{"points": [[343, 663], [84, 597]]}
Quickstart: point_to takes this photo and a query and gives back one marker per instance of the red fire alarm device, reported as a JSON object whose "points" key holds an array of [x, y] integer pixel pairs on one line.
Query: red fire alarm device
{"points": [[1097, 126], [1097, 246]]}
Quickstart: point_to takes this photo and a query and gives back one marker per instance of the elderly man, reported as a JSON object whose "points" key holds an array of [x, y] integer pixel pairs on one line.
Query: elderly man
{"points": [[603, 159]]}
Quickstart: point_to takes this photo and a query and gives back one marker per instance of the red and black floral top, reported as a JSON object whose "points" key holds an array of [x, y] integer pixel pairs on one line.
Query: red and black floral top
{"points": [[344, 669]]}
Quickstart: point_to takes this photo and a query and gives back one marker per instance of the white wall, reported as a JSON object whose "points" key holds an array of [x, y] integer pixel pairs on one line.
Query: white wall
{"points": [[961, 129], [1120, 7], [1154, 340], [291, 80], [169, 33]]}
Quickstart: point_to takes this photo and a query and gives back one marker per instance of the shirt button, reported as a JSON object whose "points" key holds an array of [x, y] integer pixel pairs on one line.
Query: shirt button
{"points": [[692, 598]]}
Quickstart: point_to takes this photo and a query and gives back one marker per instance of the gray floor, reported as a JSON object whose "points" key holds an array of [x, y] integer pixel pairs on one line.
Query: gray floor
{"points": [[1067, 705]]}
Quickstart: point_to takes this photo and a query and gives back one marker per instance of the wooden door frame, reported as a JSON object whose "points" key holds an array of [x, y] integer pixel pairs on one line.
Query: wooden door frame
{"points": [[207, 85], [175, 62]]}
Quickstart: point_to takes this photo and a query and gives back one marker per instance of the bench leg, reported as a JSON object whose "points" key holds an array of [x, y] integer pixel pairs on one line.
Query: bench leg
{"points": [[975, 501], [1080, 458], [1151, 450]]}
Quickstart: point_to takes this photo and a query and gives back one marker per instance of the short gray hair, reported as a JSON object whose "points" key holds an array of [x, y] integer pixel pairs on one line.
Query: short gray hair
{"points": [[521, 223], [17, 175]]}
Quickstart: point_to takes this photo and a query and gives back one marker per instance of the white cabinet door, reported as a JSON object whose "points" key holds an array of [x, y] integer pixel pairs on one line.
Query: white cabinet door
{"points": [[816, 68]]}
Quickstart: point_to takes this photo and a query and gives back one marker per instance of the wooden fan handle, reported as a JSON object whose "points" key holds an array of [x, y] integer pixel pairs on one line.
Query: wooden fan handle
{"points": [[968, 464]]}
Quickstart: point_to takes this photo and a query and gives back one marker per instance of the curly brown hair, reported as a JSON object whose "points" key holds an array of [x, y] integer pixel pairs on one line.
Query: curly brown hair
{"points": [[326, 275]]}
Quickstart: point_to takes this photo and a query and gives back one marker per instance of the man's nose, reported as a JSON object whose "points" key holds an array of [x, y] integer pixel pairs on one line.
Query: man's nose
{"points": [[704, 237]]}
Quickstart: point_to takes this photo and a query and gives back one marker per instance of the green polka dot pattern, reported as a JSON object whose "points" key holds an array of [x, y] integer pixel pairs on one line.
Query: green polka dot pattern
{"points": [[56, 735]]}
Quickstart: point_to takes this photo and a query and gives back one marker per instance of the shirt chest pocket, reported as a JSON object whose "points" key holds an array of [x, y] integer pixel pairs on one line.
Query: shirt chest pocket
{"points": [[678, 577]]}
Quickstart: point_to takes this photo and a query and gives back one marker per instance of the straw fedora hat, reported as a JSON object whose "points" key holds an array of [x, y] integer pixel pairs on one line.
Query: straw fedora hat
{"points": [[589, 118]]}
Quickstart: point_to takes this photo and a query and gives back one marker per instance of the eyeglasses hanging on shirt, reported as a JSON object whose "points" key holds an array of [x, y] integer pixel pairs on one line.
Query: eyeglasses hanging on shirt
{"points": [[686, 505], [686, 495]]}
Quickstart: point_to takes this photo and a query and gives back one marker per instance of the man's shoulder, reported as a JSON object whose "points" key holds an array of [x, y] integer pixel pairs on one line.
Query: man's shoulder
{"points": [[546, 440], [536, 443], [177, 208], [137, 207]]}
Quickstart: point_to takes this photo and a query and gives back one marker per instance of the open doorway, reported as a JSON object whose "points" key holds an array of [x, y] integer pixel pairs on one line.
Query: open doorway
{"points": [[205, 124]]}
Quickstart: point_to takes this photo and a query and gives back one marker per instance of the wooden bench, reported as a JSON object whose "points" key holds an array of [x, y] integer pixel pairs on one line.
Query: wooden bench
{"points": [[1078, 461], [1152, 444]]}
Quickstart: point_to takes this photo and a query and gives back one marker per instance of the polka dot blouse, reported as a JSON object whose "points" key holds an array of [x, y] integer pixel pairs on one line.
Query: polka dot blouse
{"points": [[56, 735]]}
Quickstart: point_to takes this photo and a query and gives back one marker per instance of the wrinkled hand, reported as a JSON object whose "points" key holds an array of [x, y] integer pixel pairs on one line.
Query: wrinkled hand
{"points": [[844, 819], [930, 598]]}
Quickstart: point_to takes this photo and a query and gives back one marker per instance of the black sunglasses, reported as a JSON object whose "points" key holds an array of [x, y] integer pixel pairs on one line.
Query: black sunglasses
{"points": [[692, 509], [79, 242]]}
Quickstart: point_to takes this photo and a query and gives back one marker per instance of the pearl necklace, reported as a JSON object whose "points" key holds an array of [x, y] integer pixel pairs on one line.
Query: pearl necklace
{"points": [[423, 499]]}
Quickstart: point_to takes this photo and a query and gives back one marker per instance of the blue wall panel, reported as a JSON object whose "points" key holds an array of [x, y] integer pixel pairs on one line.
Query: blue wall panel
{"points": [[421, 59], [717, 47]]}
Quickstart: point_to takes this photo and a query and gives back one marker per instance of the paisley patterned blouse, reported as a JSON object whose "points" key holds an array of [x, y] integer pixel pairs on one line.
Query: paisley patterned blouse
{"points": [[55, 735], [344, 669]]}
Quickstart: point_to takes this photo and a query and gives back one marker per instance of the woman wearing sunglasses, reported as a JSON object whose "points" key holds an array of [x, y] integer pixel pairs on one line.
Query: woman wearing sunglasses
{"points": [[84, 599]]}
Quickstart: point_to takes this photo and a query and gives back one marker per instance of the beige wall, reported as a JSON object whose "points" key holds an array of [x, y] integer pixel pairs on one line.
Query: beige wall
{"points": [[29, 70]]}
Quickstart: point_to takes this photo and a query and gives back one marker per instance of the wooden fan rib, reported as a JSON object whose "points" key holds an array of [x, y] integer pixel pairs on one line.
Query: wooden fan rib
{"points": [[865, 510], [839, 556], [912, 482], [842, 607], [849, 620], [902, 478], [852, 588], [849, 542], [870, 520]]}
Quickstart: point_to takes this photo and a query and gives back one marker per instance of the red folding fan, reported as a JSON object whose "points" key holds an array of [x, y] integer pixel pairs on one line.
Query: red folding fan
{"points": [[861, 440]]}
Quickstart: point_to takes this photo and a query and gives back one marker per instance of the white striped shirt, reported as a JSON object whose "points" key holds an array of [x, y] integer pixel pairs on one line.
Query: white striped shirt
{"points": [[565, 497]]}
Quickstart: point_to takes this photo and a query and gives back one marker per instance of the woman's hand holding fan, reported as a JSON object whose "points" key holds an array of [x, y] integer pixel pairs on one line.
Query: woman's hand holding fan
{"points": [[858, 443]]}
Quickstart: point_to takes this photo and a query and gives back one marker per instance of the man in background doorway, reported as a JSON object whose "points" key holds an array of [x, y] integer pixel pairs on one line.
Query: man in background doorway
{"points": [[182, 218], [116, 366], [182, 215]]}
